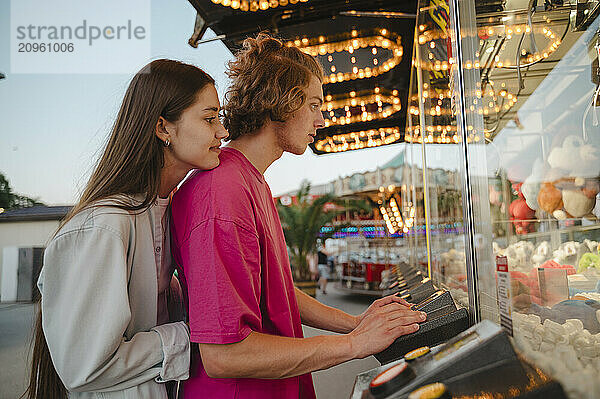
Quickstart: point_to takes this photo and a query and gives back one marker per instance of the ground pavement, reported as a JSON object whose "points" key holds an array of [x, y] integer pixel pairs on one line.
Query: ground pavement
{"points": [[16, 323]]}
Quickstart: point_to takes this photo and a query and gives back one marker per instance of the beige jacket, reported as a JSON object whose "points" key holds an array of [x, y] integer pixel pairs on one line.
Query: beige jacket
{"points": [[99, 309]]}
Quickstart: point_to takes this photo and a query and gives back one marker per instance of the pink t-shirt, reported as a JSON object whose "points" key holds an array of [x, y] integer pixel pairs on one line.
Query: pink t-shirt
{"points": [[235, 273]]}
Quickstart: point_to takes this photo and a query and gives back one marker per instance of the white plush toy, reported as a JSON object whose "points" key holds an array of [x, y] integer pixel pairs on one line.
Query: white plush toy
{"points": [[524, 250], [576, 158], [567, 351], [567, 252], [592, 246], [518, 255], [541, 253], [531, 186]]}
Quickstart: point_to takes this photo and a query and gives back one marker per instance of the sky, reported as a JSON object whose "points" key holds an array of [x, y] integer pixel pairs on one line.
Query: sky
{"points": [[55, 125]]}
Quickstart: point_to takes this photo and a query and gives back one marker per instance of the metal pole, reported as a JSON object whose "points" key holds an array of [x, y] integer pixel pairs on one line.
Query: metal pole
{"points": [[423, 152], [461, 121]]}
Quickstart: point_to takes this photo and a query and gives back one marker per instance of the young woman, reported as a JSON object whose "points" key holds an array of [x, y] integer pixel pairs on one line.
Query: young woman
{"points": [[244, 311], [103, 330]]}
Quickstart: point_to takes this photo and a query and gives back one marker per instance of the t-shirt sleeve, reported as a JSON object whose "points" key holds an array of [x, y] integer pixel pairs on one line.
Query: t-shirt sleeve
{"points": [[222, 273]]}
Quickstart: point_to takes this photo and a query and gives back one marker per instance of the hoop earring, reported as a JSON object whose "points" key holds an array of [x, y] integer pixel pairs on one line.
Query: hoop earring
{"points": [[167, 143]]}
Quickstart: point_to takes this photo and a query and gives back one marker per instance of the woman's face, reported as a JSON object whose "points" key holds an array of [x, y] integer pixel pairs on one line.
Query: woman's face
{"points": [[196, 137]]}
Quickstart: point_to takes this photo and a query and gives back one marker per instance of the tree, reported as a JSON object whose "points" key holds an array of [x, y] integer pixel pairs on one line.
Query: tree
{"points": [[5, 193], [10, 200], [302, 222]]}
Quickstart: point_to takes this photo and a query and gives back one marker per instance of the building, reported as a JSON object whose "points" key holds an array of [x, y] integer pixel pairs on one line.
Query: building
{"points": [[26, 228]]}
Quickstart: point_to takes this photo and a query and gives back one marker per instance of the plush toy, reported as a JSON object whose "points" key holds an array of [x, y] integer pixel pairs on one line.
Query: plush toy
{"points": [[579, 198], [520, 213], [576, 157], [531, 186], [587, 261], [549, 198], [592, 246], [521, 216], [541, 253], [518, 255], [523, 251], [576, 203], [552, 264], [562, 157], [568, 252], [571, 185]]}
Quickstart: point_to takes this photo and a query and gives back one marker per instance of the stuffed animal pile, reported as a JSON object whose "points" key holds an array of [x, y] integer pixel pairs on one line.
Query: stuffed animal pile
{"points": [[580, 260], [566, 349], [569, 187]]}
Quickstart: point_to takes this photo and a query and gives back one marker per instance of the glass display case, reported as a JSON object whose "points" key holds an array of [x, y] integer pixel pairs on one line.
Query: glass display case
{"points": [[368, 248], [504, 128], [434, 154]]}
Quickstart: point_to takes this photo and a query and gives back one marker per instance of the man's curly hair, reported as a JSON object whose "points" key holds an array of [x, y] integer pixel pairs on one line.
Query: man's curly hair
{"points": [[268, 80]]}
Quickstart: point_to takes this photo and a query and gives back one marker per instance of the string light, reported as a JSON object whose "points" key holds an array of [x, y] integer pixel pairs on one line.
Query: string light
{"points": [[256, 5], [508, 31], [359, 140], [495, 102], [492, 102], [394, 219], [437, 107], [360, 104], [431, 35], [439, 126], [435, 93], [436, 65], [428, 38], [387, 220], [380, 38], [413, 135], [440, 134]]}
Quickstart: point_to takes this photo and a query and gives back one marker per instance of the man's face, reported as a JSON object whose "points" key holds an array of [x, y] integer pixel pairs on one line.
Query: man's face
{"points": [[300, 130]]}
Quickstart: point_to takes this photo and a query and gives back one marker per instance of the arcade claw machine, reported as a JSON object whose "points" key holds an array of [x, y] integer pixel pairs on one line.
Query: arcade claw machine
{"points": [[506, 96], [525, 85]]}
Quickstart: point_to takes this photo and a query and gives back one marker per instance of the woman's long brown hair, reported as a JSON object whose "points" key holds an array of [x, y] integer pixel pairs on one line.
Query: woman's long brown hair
{"points": [[131, 164]]}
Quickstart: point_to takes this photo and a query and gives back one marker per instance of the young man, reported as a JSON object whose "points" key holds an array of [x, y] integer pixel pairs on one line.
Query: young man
{"points": [[244, 311]]}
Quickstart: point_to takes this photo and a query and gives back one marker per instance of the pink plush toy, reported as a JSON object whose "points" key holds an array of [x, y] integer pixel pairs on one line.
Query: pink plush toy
{"points": [[552, 264]]}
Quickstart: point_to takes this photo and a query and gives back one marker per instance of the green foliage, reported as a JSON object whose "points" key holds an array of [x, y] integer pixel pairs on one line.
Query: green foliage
{"points": [[302, 222], [10, 200]]}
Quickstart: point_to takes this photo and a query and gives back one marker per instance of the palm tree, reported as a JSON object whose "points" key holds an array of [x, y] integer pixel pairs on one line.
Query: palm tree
{"points": [[302, 224]]}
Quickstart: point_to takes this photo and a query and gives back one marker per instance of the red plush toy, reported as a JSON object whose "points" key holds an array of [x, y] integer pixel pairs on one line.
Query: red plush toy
{"points": [[521, 214]]}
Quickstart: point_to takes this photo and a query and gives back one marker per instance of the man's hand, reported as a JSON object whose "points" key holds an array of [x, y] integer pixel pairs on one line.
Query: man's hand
{"points": [[378, 304], [385, 320], [270, 356]]}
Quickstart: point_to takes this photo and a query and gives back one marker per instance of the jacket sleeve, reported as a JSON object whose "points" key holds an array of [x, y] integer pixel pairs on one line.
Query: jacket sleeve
{"points": [[85, 313]]}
